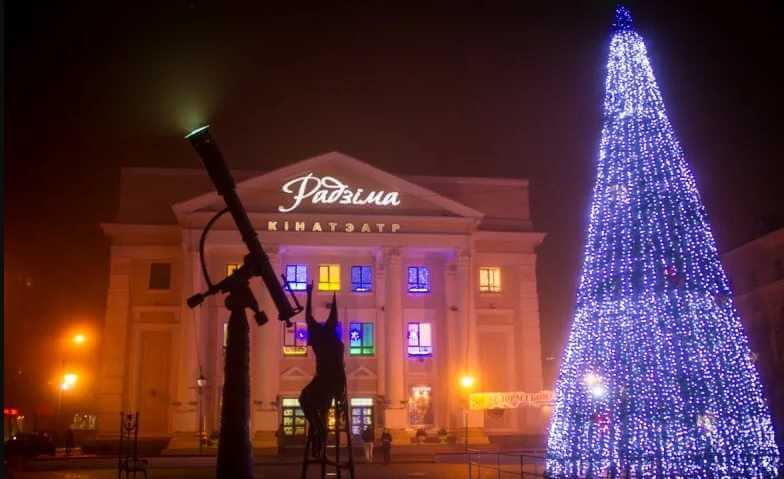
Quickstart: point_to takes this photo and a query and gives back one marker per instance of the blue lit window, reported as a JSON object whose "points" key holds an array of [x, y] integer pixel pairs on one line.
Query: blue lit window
{"points": [[297, 277], [295, 340], [420, 339], [360, 339], [361, 279], [418, 279]]}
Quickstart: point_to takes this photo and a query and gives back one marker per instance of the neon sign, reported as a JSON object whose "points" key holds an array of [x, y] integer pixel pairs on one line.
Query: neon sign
{"points": [[330, 190], [331, 226]]}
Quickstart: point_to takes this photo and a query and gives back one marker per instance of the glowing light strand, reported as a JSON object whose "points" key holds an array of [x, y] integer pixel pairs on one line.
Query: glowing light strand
{"points": [[656, 379]]}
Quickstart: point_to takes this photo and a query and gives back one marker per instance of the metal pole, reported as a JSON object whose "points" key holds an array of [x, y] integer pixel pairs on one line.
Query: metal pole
{"points": [[522, 467], [201, 423], [59, 408], [466, 431]]}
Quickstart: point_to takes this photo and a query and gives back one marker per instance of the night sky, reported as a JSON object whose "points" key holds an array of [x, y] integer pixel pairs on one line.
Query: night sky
{"points": [[509, 89]]}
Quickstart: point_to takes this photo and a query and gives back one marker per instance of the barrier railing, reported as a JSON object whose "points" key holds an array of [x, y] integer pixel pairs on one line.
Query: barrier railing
{"points": [[500, 464]]}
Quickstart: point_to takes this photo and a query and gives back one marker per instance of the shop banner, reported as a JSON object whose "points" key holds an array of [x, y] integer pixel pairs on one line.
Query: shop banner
{"points": [[510, 400]]}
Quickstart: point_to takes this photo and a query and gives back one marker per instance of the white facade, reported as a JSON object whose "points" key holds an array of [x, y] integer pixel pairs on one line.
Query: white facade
{"points": [[455, 229]]}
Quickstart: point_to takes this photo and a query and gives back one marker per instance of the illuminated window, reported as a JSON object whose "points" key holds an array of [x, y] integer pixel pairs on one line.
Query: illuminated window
{"points": [[361, 279], [292, 417], [160, 276], [360, 339], [419, 339], [329, 277], [361, 415], [295, 340], [490, 280], [297, 277], [418, 279], [231, 268], [420, 406]]}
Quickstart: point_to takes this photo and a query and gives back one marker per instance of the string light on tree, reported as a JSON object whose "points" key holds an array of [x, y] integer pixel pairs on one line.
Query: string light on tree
{"points": [[656, 378]]}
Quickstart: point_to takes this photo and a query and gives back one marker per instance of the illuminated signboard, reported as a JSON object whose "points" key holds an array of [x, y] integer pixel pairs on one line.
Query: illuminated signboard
{"points": [[332, 226], [509, 400], [330, 190]]}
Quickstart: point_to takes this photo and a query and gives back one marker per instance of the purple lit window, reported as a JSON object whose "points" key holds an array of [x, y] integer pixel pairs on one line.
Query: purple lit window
{"points": [[420, 342], [361, 279], [418, 279], [297, 277]]}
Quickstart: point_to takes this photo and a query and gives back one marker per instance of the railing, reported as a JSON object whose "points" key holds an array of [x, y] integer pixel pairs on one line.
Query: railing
{"points": [[522, 464]]}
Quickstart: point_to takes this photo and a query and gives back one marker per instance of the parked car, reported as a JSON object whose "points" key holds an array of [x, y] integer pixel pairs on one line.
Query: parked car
{"points": [[29, 444]]}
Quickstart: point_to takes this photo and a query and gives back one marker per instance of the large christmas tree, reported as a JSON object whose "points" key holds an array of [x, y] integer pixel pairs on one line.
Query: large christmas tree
{"points": [[657, 379]]}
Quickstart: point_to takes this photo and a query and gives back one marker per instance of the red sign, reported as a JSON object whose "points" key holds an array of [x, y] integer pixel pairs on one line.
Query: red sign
{"points": [[9, 411]]}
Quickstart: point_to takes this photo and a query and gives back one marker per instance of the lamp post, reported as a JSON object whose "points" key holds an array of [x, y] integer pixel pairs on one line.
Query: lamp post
{"points": [[69, 380], [467, 384], [68, 344], [201, 383]]}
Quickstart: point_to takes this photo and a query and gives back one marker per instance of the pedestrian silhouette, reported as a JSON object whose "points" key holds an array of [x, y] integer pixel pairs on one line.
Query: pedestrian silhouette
{"points": [[69, 441]]}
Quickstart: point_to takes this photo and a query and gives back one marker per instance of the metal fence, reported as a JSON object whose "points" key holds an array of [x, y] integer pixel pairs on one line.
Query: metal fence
{"points": [[488, 464]]}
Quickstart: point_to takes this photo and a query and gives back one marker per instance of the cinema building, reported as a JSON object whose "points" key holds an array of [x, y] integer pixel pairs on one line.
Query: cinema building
{"points": [[434, 277]]}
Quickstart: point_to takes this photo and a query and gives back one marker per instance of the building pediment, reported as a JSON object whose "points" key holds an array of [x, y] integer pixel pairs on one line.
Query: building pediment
{"points": [[361, 372], [295, 373], [332, 184]]}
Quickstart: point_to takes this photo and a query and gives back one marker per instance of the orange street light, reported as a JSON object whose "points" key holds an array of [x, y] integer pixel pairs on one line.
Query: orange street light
{"points": [[69, 379], [467, 381], [79, 339]]}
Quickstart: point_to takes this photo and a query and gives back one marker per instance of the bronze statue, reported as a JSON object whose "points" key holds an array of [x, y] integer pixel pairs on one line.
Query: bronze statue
{"points": [[329, 383]]}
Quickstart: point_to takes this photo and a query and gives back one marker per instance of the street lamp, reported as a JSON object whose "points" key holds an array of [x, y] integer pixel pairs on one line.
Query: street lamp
{"points": [[467, 383], [79, 339], [201, 383], [69, 380]]}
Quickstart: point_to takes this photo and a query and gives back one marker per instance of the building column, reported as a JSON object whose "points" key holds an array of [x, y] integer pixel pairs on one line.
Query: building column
{"points": [[395, 413], [112, 397], [529, 344], [266, 361], [454, 352], [379, 286], [469, 343], [462, 315], [186, 405]]}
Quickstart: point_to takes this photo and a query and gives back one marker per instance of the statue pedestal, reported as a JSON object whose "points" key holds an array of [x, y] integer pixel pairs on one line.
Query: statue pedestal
{"points": [[266, 427], [476, 428], [182, 442], [395, 420]]}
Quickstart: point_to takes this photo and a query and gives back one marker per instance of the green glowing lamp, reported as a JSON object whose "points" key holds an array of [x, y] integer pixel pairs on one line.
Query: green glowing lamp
{"points": [[196, 131]]}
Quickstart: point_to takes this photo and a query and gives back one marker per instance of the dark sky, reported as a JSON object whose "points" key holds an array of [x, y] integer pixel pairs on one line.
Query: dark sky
{"points": [[505, 89]]}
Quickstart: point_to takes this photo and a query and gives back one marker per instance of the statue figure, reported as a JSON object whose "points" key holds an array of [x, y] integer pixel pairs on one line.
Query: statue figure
{"points": [[330, 380]]}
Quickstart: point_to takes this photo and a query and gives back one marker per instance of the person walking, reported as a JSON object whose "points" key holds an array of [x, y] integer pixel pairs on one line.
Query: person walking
{"points": [[69, 441], [386, 446], [367, 443]]}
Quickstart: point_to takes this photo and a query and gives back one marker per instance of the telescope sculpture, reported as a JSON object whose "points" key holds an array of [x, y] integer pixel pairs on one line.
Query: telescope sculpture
{"points": [[235, 453]]}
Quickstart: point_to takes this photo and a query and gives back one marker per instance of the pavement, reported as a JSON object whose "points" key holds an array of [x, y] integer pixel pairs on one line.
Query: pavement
{"points": [[405, 471], [408, 465]]}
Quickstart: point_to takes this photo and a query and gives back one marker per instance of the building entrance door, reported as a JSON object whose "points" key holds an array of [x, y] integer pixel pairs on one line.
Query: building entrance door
{"points": [[292, 418], [153, 382], [361, 415]]}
